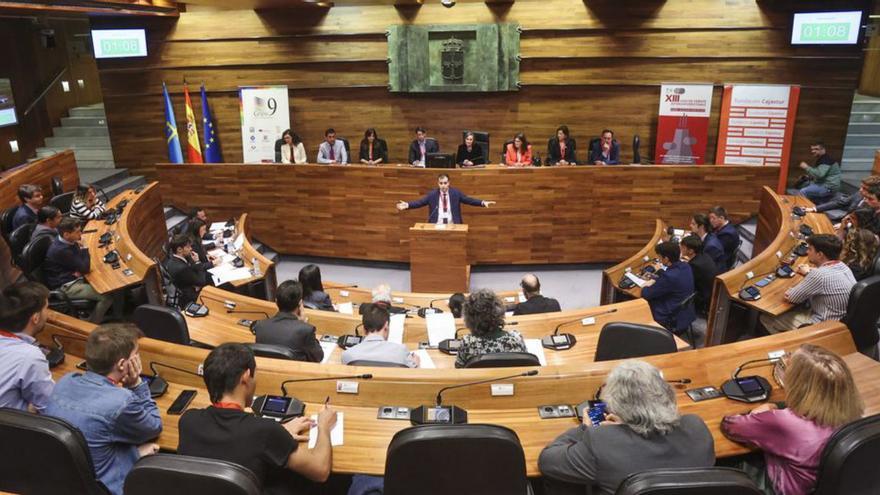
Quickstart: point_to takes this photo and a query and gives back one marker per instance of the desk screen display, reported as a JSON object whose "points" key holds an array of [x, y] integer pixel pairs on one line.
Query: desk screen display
{"points": [[826, 28], [119, 43], [7, 105], [275, 404]]}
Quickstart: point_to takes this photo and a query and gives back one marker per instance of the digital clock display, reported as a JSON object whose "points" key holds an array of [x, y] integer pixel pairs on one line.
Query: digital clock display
{"points": [[826, 28]]}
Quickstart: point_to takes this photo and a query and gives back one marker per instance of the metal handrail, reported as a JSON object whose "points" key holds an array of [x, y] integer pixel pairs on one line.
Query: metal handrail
{"points": [[43, 94]]}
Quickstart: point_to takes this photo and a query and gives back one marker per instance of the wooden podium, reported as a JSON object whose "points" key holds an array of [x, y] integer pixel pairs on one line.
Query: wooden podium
{"points": [[438, 258]]}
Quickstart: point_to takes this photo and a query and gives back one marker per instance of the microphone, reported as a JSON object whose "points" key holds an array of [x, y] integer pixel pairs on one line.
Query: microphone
{"points": [[56, 356], [348, 341], [363, 376], [158, 385], [230, 305], [450, 346], [754, 388], [565, 341], [440, 414], [282, 407], [682, 381], [431, 303], [245, 311]]}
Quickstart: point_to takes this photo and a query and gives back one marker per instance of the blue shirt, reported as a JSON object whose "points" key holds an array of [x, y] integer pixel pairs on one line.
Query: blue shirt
{"points": [[113, 420], [673, 286], [24, 373], [24, 214]]}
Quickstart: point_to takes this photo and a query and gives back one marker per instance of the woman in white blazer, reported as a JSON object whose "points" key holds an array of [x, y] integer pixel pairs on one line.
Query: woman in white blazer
{"points": [[292, 150]]}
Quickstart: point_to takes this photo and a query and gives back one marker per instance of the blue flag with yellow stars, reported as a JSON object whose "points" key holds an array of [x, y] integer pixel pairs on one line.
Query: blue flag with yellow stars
{"points": [[212, 140]]}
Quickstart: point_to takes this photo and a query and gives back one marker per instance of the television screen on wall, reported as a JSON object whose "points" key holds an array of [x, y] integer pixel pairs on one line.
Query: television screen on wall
{"points": [[119, 43], [7, 105], [826, 28]]}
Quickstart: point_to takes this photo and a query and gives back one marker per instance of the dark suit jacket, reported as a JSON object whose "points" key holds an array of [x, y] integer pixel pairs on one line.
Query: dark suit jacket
{"points": [[729, 238], [188, 276], [415, 153], [380, 150], [456, 197], [848, 204], [704, 271], [673, 286], [63, 262], [285, 329], [553, 155], [24, 214], [596, 153], [715, 250], [318, 300], [537, 304], [475, 155]]}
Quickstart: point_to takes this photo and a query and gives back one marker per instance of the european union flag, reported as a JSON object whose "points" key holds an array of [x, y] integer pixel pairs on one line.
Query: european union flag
{"points": [[212, 141], [175, 155]]}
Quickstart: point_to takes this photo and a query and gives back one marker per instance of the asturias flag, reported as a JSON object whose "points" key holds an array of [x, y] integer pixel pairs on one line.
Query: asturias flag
{"points": [[212, 141], [193, 150], [174, 153]]}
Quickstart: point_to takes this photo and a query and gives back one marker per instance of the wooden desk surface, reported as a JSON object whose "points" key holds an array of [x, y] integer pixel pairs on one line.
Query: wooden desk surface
{"points": [[248, 253], [342, 293], [432, 227], [611, 276]]}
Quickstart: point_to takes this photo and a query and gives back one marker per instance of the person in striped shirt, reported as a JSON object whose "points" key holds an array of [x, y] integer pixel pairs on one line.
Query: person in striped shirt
{"points": [[826, 285], [86, 204]]}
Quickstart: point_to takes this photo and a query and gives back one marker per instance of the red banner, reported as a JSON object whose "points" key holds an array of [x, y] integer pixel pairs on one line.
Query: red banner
{"points": [[683, 123]]}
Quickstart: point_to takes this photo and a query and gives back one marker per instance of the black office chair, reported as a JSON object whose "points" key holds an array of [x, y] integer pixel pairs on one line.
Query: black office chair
{"points": [[637, 155], [347, 149], [552, 143], [848, 465], [876, 270], [593, 143], [31, 264], [6, 217], [619, 340], [461, 459], [689, 481], [172, 294], [689, 330], [503, 160], [862, 313], [161, 323], [20, 238], [42, 455], [503, 360], [278, 144], [377, 364], [273, 351], [63, 202], [172, 474], [57, 186], [480, 137]]}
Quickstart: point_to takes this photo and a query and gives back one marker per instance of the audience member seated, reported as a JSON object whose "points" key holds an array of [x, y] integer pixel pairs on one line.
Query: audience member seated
{"points": [[381, 296], [198, 231], [868, 217], [849, 203], [469, 153], [562, 148], [287, 328], [605, 150], [456, 304], [821, 396], [67, 261], [31, 197], [314, 296], [199, 213], [826, 285], [25, 379], [642, 430], [421, 146], [86, 204], [674, 284], [702, 228], [110, 404], [375, 346], [187, 274], [726, 233], [824, 175], [292, 149], [269, 449], [703, 269], [373, 150], [535, 302], [48, 218], [519, 152], [332, 150], [484, 316], [859, 250]]}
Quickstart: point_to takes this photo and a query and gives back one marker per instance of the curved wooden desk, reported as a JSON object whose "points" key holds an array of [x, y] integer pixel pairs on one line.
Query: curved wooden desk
{"points": [[611, 276], [342, 293], [248, 254]]}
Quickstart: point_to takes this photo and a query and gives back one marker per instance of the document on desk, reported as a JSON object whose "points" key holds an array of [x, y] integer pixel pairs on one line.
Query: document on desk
{"points": [[229, 275], [346, 308], [336, 434], [238, 242], [533, 346], [635, 279], [329, 348], [425, 361], [215, 226], [441, 326], [395, 328]]}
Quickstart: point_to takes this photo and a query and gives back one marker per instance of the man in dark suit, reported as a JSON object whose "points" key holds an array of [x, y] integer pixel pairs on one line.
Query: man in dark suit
{"points": [[187, 274], [726, 233], [445, 202], [704, 271], [31, 197], [535, 303], [702, 228], [287, 329], [671, 287], [846, 204], [421, 146], [605, 151]]}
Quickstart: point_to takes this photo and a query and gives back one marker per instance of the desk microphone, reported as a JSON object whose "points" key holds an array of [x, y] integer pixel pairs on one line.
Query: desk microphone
{"points": [[450, 346], [158, 385], [245, 311], [754, 388], [282, 407], [431, 309], [226, 302], [348, 341], [56, 356], [566, 341], [431, 303], [440, 414]]}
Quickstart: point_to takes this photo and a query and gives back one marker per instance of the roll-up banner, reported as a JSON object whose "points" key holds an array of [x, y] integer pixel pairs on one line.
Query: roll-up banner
{"points": [[683, 123], [265, 114], [757, 123]]}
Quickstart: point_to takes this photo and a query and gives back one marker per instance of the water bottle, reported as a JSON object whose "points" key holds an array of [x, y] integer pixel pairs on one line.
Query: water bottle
{"points": [[257, 271]]}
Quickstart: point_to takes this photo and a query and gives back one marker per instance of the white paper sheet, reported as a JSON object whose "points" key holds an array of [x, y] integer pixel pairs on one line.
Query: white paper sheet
{"points": [[395, 328], [441, 326], [521, 297], [239, 242], [217, 226], [636, 279], [425, 361], [329, 348], [346, 308], [231, 275], [533, 346], [336, 434]]}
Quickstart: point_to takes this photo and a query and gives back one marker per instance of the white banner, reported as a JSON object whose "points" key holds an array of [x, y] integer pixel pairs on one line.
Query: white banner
{"points": [[265, 114]]}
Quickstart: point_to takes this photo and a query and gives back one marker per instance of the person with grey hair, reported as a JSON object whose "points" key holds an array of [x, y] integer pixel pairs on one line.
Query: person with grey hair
{"points": [[642, 430], [483, 314], [535, 302], [381, 296]]}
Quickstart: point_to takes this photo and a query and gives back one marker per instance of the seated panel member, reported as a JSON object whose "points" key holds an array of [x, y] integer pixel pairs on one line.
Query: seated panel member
{"points": [[110, 404], [704, 271], [86, 204], [642, 430], [375, 346], [519, 152], [269, 449], [702, 228], [671, 287], [332, 150], [535, 302], [483, 314], [421, 146], [561, 150], [373, 150], [31, 198], [198, 233], [445, 202], [849, 203], [827, 283], [605, 151], [470, 153], [287, 328], [48, 218], [187, 273], [67, 261], [25, 379], [726, 233], [314, 296], [199, 213], [292, 149]]}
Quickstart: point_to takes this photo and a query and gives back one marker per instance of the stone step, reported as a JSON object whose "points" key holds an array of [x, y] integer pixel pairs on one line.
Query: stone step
{"points": [[864, 116], [95, 164], [866, 106], [80, 131], [173, 222], [862, 140], [83, 122], [102, 177], [858, 152], [860, 97], [87, 112], [132, 182], [863, 128], [82, 154], [79, 142], [857, 165]]}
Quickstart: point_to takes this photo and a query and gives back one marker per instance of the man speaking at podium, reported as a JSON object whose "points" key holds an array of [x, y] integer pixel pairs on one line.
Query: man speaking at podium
{"points": [[445, 202]]}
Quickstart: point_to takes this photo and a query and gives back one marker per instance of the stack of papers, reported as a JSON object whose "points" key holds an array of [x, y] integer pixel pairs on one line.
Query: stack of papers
{"points": [[336, 434], [329, 348], [222, 274], [425, 361], [533, 346], [346, 308], [441, 326], [636, 279], [395, 328]]}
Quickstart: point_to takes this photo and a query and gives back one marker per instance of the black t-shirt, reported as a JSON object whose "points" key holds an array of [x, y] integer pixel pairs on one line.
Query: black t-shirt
{"points": [[259, 444]]}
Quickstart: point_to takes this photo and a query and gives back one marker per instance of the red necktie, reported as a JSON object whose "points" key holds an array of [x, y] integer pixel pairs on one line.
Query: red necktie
{"points": [[332, 156], [445, 203]]}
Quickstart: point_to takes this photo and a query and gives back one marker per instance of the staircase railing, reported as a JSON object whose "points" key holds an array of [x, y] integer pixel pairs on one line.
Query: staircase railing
{"points": [[44, 92]]}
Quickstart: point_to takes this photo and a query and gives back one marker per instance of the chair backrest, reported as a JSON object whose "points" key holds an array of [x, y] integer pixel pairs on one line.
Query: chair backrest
{"points": [[504, 151], [278, 143], [876, 269], [32, 257], [161, 323], [170, 473], [44, 455], [637, 155], [272, 351], [18, 239], [378, 364], [347, 148], [63, 202], [849, 460], [57, 186], [480, 137], [6, 217], [689, 481], [503, 360], [862, 312], [619, 340], [172, 295], [444, 459]]}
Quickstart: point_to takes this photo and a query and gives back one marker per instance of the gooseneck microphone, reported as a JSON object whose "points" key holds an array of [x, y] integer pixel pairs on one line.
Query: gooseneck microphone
{"points": [[247, 311], [508, 377], [565, 341], [226, 302], [753, 388], [283, 407], [592, 315], [364, 376]]}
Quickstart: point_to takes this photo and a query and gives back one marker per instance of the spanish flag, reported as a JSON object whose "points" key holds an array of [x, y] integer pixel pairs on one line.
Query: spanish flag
{"points": [[193, 150]]}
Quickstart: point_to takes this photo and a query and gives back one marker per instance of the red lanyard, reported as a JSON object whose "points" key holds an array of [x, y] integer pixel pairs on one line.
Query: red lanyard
{"points": [[228, 405], [10, 335]]}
